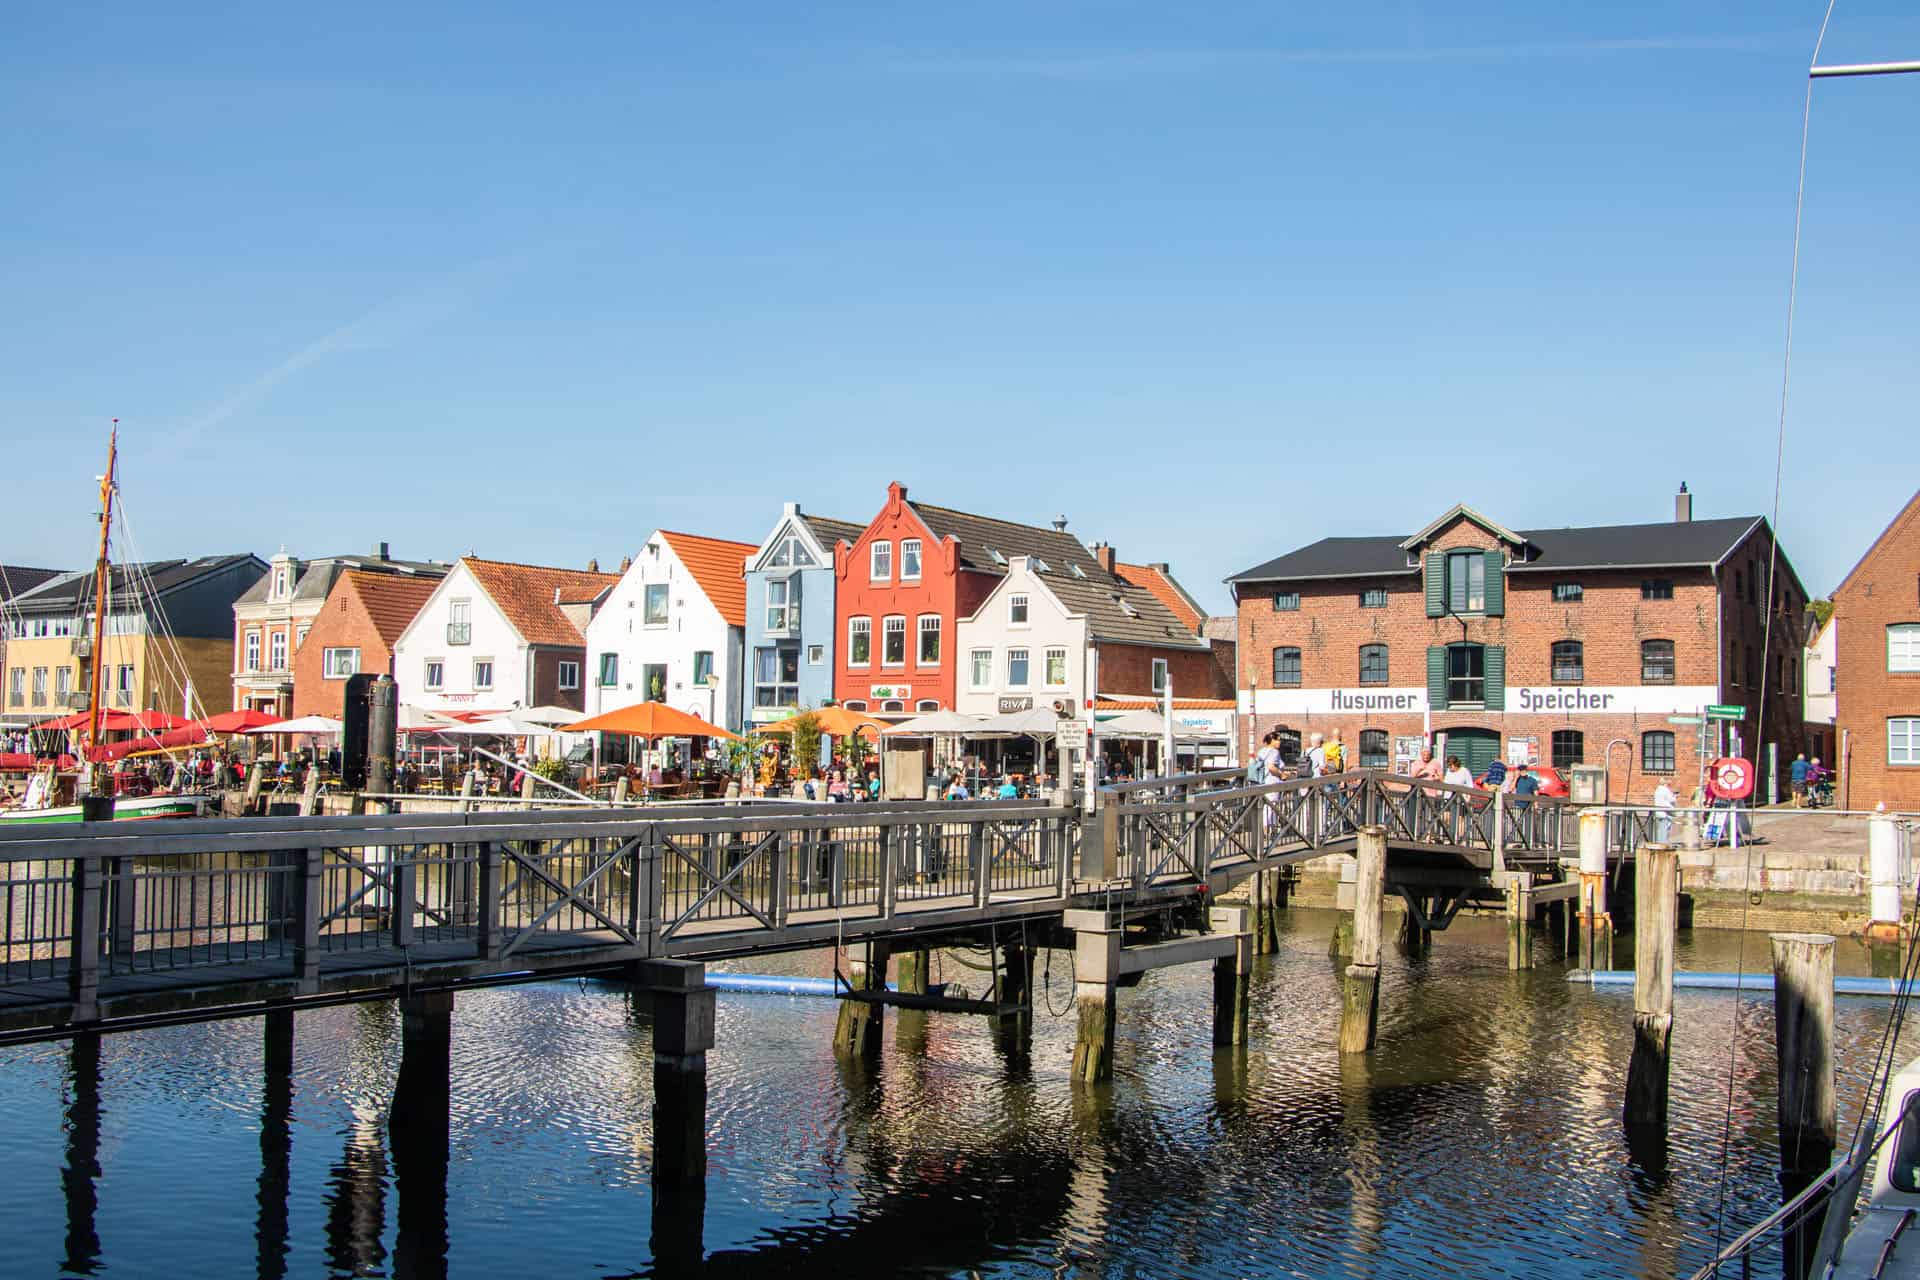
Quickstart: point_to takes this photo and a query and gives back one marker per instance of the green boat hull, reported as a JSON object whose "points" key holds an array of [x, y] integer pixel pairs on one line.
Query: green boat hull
{"points": [[143, 809]]}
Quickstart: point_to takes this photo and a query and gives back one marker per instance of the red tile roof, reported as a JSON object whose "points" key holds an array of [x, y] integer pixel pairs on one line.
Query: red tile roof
{"points": [[1104, 703], [525, 594], [390, 599], [1152, 578], [719, 566]]}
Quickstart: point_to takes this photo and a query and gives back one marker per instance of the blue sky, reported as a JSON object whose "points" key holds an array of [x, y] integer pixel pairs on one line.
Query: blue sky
{"points": [[1213, 281]]}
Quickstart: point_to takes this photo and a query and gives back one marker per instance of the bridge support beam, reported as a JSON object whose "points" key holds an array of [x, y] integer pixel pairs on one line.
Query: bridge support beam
{"points": [[418, 1128], [1268, 894], [1655, 916], [914, 976], [1232, 979], [683, 1031], [1096, 974], [276, 1146], [861, 1021], [1360, 990], [1519, 890], [1013, 1032], [1595, 925]]}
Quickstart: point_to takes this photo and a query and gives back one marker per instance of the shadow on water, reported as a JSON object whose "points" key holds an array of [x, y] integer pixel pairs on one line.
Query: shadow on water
{"points": [[79, 1179]]}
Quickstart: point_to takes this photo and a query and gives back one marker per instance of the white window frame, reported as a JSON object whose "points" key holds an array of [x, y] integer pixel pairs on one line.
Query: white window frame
{"points": [[880, 561], [1047, 656], [250, 650], [17, 687], [1903, 742], [277, 650], [1019, 610], [926, 705], [1026, 661], [478, 663], [428, 680], [909, 559], [327, 665], [567, 675], [816, 655], [1162, 672], [300, 638], [62, 685], [123, 685], [855, 627], [40, 686], [887, 629], [920, 630], [777, 614], [1903, 647], [979, 673], [646, 607]]}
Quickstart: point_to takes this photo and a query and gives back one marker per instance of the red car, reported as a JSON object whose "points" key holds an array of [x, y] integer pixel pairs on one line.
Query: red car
{"points": [[1551, 783]]}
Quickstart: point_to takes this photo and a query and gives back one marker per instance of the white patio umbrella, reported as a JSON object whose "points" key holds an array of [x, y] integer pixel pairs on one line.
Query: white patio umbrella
{"points": [[1040, 722], [312, 726], [499, 727], [418, 719], [552, 717], [936, 723]]}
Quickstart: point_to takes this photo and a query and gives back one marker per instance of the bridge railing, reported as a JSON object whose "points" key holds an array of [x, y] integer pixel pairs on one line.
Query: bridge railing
{"points": [[1173, 788]]}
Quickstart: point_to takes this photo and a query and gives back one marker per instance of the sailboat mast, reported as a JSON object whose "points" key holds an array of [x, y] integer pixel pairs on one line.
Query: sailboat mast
{"points": [[100, 591]]}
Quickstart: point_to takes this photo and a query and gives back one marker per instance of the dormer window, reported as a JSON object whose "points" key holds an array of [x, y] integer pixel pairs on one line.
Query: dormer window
{"points": [[280, 577]]}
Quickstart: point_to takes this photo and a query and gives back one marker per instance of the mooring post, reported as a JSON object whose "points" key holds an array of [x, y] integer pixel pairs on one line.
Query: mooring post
{"points": [[256, 774], [1883, 868], [1416, 939], [1360, 990], [1519, 889], [79, 1178], [1595, 925], [1232, 978], [1655, 915], [418, 1127], [1013, 1032], [861, 1021], [913, 971], [1096, 972], [276, 1146], [1803, 1043]]}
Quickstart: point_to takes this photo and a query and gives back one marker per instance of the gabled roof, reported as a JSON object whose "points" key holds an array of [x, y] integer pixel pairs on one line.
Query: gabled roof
{"points": [[981, 536], [391, 600], [525, 593], [315, 578], [1119, 612], [1907, 514], [18, 579], [1665, 545], [719, 566], [1461, 511], [827, 532], [126, 583], [1157, 579]]}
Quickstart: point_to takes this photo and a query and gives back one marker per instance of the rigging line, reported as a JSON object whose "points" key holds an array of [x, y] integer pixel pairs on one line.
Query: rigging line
{"points": [[1773, 558], [173, 662]]}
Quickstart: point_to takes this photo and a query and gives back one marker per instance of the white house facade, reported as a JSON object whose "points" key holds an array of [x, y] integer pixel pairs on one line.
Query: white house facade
{"points": [[673, 631], [1022, 648], [460, 652]]}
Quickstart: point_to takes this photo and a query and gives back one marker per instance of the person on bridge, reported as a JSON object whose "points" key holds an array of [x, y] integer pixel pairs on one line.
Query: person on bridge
{"points": [[1525, 787], [1664, 799], [1316, 756], [1457, 774]]}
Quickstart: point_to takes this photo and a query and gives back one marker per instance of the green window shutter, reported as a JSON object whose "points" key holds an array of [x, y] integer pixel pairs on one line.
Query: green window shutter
{"points": [[1436, 674], [1496, 695], [1436, 584], [1496, 585]]}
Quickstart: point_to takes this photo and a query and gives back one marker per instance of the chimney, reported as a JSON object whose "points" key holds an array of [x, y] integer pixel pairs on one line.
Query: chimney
{"points": [[1103, 554], [593, 565], [380, 551], [1060, 523], [1683, 505], [556, 595], [626, 563]]}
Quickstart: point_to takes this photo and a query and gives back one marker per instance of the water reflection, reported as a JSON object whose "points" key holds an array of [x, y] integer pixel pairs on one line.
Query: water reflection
{"points": [[80, 1178], [276, 1146]]}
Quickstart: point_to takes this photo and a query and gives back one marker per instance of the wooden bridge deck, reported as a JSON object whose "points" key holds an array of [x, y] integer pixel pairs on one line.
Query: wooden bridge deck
{"points": [[107, 927]]}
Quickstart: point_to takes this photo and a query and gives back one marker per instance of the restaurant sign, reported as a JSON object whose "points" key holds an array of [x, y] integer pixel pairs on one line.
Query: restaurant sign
{"points": [[885, 691], [1549, 700], [1009, 705]]}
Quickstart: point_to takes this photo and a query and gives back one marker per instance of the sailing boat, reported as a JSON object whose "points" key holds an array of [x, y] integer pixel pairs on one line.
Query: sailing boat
{"points": [[95, 781]]}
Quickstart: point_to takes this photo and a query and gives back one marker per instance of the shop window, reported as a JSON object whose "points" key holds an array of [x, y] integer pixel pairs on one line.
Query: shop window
{"points": [[855, 704], [893, 704], [1569, 662], [1373, 664], [1656, 662], [1376, 749], [927, 704], [1656, 752], [1569, 748], [1286, 665]]}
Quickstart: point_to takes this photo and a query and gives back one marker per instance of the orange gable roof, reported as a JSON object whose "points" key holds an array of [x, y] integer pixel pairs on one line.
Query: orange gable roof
{"points": [[720, 567], [390, 599], [1150, 578], [525, 594]]}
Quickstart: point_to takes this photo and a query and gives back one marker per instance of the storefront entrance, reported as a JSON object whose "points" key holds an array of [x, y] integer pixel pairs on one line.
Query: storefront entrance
{"points": [[1477, 748]]}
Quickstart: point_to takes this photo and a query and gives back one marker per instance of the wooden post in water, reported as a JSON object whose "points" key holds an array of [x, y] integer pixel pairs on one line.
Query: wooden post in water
{"points": [[914, 966], [861, 1021], [1655, 918], [1803, 1041], [1415, 939], [1360, 990], [1519, 920], [1096, 971], [1013, 1032], [1232, 979]]}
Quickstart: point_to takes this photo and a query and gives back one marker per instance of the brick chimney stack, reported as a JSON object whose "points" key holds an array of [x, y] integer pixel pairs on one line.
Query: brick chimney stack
{"points": [[593, 565], [1104, 555], [626, 563]]}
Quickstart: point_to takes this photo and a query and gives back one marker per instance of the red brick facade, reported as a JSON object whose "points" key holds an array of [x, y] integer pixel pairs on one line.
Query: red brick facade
{"points": [[1126, 671], [1613, 614], [1878, 706]]}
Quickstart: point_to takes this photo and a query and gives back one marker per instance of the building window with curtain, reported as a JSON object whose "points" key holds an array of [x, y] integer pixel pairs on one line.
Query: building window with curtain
{"points": [[910, 560], [703, 666], [1159, 675], [609, 670], [1373, 664], [252, 650], [1056, 669], [1286, 665], [1286, 602], [1569, 748], [981, 663], [880, 563], [1569, 662], [1656, 662], [1376, 749], [655, 605], [1656, 752], [1466, 581], [434, 675], [776, 677], [277, 651]]}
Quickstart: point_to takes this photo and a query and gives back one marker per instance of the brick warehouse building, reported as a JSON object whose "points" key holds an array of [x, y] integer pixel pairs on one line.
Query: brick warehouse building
{"points": [[1564, 646], [1876, 618]]}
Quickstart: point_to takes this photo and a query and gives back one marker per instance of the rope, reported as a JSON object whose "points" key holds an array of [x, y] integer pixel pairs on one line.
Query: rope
{"points": [[1773, 560]]}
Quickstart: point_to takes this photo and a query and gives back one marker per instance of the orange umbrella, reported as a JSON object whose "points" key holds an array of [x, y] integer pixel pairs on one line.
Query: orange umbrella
{"points": [[835, 722], [651, 720]]}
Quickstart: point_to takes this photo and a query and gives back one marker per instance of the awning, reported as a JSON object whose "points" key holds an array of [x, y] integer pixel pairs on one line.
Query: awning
{"points": [[236, 721], [650, 720], [313, 726], [835, 722], [939, 722]]}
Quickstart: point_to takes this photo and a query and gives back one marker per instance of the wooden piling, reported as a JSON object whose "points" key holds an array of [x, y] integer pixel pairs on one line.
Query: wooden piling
{"points": [[1803, 1043], [913, 969], [1013, 1032], [1415, 940], [1360, 991], [1232, 978], [1519, 890], [861, 1021], [1656, 912], [1096, 968]]}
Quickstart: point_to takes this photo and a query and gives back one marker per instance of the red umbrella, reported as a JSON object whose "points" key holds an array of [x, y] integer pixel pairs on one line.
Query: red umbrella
{"points": [[236, 721], [78, 720], [187, 737], [149, 721]]}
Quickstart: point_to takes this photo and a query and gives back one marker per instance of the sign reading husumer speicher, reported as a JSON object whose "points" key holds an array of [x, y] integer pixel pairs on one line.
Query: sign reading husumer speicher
{"points": [[1636, 699]]}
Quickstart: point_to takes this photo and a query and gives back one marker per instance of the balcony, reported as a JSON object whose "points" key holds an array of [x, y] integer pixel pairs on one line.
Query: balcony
{"points": [[459, 633]]}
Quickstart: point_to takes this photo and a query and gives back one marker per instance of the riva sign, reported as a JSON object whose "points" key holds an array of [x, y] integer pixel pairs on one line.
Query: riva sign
{"points": [[1532, 700]]}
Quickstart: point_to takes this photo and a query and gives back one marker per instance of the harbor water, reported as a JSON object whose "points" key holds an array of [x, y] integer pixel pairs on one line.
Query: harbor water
{"points": [[1481, 1138]]}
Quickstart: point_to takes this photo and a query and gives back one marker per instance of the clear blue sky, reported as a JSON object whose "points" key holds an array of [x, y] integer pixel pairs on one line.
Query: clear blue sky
{"points": [[1212, 280]]}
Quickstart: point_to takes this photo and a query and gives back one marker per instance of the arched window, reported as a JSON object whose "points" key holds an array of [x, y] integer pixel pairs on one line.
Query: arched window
{"points": [[1286, 665], [927, 704], [1569, 748], [1376, 750], [1569, 662], [1656, 751], [855, 705], [1656, 662], [893, 704], [1373, 664]]}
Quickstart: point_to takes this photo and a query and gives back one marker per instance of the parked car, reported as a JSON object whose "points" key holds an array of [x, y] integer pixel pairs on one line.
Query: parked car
{"points": [[1552, 782]]}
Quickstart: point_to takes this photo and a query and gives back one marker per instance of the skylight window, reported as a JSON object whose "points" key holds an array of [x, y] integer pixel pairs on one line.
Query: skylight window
{"points": [[997, 557], [1076, 571]]}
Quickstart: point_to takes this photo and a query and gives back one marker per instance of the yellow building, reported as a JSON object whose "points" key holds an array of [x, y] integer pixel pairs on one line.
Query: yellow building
{"points": [[168, 643]]}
